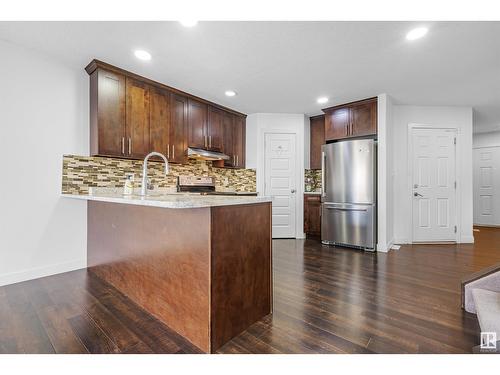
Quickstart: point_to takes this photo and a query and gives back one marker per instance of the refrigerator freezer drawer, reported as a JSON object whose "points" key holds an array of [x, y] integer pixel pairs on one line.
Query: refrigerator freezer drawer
{"points": [[348, 225]]}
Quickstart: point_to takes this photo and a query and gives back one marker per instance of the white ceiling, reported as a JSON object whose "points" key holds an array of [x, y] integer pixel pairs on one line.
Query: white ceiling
{"points": [[285, 66]]}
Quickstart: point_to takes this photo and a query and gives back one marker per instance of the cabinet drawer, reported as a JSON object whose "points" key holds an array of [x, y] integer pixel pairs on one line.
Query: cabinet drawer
{"points": [[312, 198]]}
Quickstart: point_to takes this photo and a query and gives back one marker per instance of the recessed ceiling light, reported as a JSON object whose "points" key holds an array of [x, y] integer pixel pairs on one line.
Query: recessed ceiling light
{"points": [[417, 33], [230, 93], [143, 55], [322, 100], [188, 23]]}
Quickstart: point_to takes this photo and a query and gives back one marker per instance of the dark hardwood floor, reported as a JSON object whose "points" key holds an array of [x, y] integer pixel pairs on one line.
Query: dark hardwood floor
{"points": [[326, 300]]}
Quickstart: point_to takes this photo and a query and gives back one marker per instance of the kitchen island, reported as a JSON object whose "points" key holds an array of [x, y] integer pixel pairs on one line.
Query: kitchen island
{"points": [[200, 264]]}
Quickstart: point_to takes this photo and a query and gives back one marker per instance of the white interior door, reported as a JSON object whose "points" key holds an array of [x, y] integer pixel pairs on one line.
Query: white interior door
{"points": [[433, 185], [280, 182], [487, 186]]}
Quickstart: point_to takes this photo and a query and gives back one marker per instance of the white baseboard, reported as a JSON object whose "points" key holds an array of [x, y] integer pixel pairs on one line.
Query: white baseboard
{"points": [[385, 248], [463, 239], [402, 241], [301, 236], [35, 273], [466, 239]]}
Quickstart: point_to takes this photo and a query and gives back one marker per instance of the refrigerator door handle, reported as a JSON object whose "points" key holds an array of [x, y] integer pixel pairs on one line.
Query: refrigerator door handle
{"points": [[323, 188], [346, 209]]}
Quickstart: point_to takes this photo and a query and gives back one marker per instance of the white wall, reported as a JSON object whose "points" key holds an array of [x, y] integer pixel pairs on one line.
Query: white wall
{"points": [[459, 117], [385, 173], [260, 123], [490, 139], [43, 114]]}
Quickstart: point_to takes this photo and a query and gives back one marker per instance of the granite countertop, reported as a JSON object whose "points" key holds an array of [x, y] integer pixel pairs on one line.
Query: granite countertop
{"points": [[167, 199]]}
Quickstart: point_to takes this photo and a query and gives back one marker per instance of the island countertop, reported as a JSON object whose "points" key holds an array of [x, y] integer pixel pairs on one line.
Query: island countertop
{"points": [[169, 199]]}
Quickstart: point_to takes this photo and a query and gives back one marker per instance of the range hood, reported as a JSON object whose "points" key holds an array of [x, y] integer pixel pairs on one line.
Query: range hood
{"points": [[200, 154]]}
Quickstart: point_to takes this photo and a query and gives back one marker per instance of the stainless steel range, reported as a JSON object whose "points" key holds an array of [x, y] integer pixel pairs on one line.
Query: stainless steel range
{"points": [[205, 185], [349, 194]]}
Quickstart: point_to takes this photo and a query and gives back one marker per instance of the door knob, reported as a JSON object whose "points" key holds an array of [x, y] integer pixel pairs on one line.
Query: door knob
{"points": [[415, 194]]}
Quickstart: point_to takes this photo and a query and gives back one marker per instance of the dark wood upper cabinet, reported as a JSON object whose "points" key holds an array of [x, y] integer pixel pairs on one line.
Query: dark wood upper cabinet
{"points": [[355, 119], [107, 113], [228, 139], [215, 129], [337, 123], [364, 118], [239, 140], [160, 121], [137, 119], [197, 124], [178, 128], [131, 116], [317, 139]]}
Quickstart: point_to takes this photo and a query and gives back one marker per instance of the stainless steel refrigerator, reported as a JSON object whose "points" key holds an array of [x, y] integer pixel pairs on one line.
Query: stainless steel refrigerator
{"points": [[349, 191]]}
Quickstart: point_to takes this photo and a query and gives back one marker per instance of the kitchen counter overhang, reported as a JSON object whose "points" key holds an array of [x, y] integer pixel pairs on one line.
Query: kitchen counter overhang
{"points": [[200, 264], [171, 200]]}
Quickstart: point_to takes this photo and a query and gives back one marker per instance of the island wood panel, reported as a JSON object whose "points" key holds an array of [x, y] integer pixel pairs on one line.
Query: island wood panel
{"points": [[157, 257], [241, 269]]}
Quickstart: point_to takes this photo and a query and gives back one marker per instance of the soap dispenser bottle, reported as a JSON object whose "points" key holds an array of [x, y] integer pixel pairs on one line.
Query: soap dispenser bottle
{"points": [[128, 188]]}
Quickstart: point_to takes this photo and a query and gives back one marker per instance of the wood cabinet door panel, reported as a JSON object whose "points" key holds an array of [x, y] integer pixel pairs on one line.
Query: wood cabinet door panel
{"points": [[159, 122], [228, 144], [215, 129], [239, 141], [179, 129], [312, 215], [111, 115], [317, 135], [137, 119], [197, 124], [364, 119], [336, 123]]}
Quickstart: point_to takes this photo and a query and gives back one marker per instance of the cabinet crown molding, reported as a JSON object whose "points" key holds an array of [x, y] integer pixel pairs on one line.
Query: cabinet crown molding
{"points": [[350, 104]]}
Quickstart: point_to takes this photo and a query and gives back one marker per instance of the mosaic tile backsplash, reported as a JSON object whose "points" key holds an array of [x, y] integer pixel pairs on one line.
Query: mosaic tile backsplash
{"points": [[82, 172], [312, 177]]}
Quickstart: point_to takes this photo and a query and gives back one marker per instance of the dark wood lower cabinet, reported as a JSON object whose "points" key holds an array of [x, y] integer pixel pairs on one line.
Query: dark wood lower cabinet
{"points": [[312, 215]]}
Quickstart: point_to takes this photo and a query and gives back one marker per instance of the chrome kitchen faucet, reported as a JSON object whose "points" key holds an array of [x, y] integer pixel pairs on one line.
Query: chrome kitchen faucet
{"points": [[145, 170]]}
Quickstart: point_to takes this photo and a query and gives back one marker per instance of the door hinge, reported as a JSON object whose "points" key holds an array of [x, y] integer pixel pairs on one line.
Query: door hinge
{"points": [[455, 229], [455, 140], [455, 184]]}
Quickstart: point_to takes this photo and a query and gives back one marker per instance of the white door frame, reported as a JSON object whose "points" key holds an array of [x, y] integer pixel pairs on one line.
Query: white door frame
{"points": [[458, 203], [473, 186], [299, 177]]}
